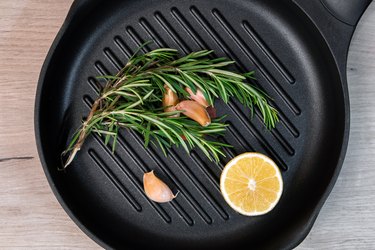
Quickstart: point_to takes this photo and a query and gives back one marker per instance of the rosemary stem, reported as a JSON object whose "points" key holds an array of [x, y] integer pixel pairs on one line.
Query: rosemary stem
{"points": [[83, 133]]}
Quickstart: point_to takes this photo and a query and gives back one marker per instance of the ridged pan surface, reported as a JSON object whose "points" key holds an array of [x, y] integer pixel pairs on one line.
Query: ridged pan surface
{"points": [[103, 192]]}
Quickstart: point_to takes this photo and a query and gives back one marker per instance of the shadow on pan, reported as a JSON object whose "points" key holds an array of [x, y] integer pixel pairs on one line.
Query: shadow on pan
{"points": [[298, 49]]}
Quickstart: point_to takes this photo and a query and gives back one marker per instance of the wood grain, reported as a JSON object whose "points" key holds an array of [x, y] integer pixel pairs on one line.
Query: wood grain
{"points": [[30, 216]]}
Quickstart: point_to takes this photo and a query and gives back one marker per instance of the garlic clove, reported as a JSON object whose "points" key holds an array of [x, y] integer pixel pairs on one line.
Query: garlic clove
{"points": [[195, 111], [170, 99], [156, 189], [198, 97]]}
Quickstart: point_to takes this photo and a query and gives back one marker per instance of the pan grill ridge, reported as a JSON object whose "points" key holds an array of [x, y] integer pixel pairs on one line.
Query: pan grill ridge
{"points": [[276, 143]]}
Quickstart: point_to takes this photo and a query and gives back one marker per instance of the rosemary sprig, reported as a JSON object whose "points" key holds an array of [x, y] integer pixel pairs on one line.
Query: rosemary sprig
{"points": [[196, 70], [132, 99]]}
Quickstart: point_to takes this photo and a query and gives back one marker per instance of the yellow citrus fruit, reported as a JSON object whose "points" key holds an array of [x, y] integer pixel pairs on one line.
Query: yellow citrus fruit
{"points": [[251, 184]]}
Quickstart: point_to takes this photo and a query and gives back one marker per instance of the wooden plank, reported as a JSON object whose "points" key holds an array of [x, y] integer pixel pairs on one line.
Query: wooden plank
{"points": [[31, 217]]}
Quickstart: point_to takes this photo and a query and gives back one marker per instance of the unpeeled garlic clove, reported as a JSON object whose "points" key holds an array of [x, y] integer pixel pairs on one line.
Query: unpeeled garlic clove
{"points": [[170, 99], [195, 111], [198, 97], [156, 189]]}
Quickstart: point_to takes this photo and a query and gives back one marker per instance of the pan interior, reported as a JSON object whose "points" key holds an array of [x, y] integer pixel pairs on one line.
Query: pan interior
{"points": [[103, 192]]}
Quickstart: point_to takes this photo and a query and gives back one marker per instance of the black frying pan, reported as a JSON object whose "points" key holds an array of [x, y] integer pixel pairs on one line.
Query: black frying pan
{"points": [[299, 51]]}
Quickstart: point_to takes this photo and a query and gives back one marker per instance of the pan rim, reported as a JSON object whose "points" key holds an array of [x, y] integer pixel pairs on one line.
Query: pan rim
{"points": [[66, 23]]}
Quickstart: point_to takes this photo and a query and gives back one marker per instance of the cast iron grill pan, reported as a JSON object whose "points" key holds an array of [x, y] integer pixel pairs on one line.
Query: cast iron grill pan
{"points": [[295, 64]]}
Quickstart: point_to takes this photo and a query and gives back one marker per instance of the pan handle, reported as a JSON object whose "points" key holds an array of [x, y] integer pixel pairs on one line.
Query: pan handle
{"points": [[336, 21], [347, 11]]}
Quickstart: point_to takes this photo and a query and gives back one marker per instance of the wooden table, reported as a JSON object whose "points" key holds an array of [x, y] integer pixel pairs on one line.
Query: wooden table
{"points": [[30, 215]]}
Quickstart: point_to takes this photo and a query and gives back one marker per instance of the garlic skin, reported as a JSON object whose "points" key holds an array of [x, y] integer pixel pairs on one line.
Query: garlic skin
{"points": [[195, 111], [156, 189], [211, 112], [170, 99], [198, 97]]}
